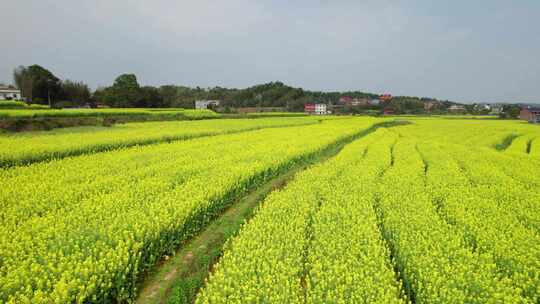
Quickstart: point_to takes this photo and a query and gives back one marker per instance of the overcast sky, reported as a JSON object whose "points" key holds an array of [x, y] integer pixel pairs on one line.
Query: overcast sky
{"points": [[461, 50]]}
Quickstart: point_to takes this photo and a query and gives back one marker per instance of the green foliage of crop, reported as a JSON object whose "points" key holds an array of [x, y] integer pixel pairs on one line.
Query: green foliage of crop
{"points": [[12, 104]]}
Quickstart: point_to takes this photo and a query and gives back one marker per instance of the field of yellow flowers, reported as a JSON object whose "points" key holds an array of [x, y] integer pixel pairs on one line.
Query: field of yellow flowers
{"points": [[432, 211], [437, 211], [84, 228]]}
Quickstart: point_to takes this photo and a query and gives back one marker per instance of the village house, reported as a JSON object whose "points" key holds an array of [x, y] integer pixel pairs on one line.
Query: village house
{"points": [[482, 107], [496, 109], [315, 108], [430, 105], [203, 104], [349, 101], [10, 93], [385, 97], [345, 100], [360, 102], [530, 114], [374, 102], [457, 109]]}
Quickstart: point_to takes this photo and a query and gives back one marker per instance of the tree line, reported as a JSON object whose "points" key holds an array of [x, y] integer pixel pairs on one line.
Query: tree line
{"points": [[39, 85], [126, 92]]}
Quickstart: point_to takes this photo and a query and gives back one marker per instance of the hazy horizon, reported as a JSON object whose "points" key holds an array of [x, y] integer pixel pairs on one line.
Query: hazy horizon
{"points": [[482, 51]]}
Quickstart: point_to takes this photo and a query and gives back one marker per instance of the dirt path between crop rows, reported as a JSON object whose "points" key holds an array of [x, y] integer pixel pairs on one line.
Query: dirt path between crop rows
{"points": [[177, 279]]}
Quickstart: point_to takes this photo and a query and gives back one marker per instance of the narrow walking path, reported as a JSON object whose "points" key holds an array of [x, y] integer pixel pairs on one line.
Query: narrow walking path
{"points": [[182, 275]]}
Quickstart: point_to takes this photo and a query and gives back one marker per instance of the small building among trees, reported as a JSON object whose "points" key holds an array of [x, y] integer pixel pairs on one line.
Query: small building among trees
{"points": [[457, 109], [204, 104], [316, 108], [530, 114], [10, 93]]}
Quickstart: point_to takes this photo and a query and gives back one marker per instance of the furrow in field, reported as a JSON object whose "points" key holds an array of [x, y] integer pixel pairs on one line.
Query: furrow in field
{"points": [[92, 242], [491, 220], [178, 279], [521, 144], [437, 264], [348, 258], [521, 168], [266, 262], [507, 180], [507, 141]]}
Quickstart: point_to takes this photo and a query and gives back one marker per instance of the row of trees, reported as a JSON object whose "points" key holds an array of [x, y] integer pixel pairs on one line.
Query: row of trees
{"points": [[126, 92], [39, 85]]}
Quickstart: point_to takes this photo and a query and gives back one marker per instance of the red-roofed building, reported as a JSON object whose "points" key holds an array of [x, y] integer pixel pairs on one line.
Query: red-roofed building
{"points": [[530, 114], [345, 100], [350, 101], [315, 108], [385, 97]]}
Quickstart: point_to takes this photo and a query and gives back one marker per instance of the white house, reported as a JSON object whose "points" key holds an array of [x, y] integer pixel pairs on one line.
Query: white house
{"points": [[320, 108], [496, 110], [456, 108], [203, 104], [9, 93], [485, 106], [316, 108]]}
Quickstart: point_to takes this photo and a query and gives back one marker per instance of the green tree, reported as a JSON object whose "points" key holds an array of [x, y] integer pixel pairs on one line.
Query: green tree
{"points": [[37, 83], [510, 112], [124, 93], [75, 93], [150, 98]]}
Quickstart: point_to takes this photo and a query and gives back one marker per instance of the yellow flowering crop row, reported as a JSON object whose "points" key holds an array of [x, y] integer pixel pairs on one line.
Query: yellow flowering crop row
{"points": [[316, 241], [28, 147], [435, 262], [468, 132], [82, 229], [523, 144], [535, 147], [348, 260], [496, 212], [334, 234], [108, 112]]}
